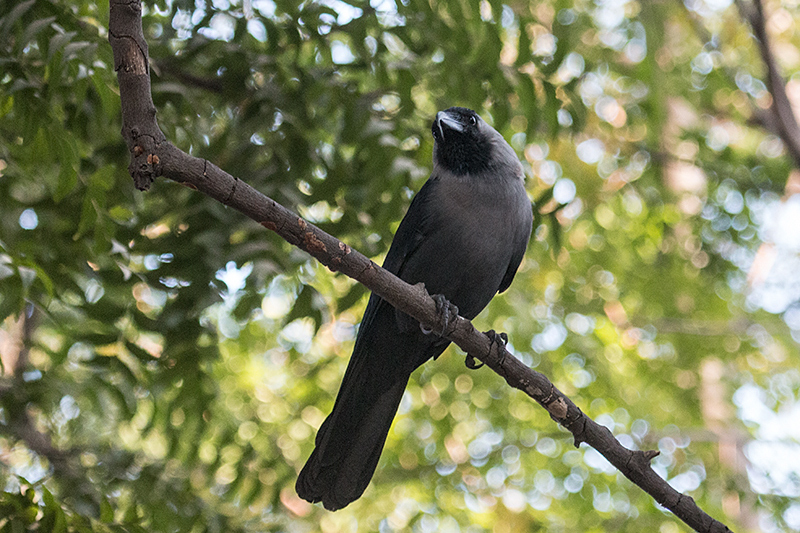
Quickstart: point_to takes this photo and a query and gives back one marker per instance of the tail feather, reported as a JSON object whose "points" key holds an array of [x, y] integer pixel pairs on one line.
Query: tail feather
{"points": [[345, 457], [350, 441]]}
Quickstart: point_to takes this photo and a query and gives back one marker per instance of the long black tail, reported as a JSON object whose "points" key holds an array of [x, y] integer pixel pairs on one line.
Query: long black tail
{"points": [[342, 464], [350, 441]]}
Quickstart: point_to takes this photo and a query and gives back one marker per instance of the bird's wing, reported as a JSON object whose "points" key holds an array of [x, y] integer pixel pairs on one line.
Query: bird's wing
{"points": [[413, 229], [521, 238], [349, 443]]}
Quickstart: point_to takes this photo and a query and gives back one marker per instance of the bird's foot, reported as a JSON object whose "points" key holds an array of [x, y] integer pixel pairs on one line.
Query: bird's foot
{"points": [[446, 312], [472, 363], [501, 338]]}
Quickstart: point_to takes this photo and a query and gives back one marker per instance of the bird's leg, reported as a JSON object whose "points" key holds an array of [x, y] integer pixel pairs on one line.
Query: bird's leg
{"points": [[495, 338], [446, 312]]}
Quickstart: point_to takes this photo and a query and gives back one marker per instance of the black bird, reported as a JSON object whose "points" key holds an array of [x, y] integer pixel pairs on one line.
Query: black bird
{"points": [[463, 236]]}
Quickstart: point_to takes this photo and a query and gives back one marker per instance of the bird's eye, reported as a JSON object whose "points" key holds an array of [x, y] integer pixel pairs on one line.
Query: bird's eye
{"points": [[472, 120]]}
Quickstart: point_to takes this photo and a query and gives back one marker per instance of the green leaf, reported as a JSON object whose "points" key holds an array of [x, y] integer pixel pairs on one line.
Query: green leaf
{"points": [[11, 297], [120, 213], [53, 512], [544, 197], [551, 107], [305, 306], [15, 14], [109, 99], [249, 301], [352, 297], [33, 29], [67, 179], [58, 42], [555, 231], [526, 91], [41, 276], [106, 511], [67, 155]]}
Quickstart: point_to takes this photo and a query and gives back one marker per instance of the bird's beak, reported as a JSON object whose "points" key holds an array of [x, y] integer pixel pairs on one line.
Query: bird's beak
{"points": [[443, 119]]}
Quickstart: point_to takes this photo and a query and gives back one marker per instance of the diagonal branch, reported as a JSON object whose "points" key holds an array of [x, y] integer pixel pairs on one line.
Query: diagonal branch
{"points": [[153, 156], [783, 118]]}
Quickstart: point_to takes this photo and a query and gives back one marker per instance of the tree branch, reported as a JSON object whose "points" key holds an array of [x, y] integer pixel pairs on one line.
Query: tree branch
{"points": [[779, 119], [21, 426], [169, 66], [153, 156], [783, 120]]}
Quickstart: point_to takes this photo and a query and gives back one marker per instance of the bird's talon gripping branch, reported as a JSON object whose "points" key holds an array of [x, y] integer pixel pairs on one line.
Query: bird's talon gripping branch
{"points": [[447, 311], [499, 339], [472, 363]]}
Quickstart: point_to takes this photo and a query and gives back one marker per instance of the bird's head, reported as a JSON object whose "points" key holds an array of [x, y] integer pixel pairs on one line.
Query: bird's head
{"points": [[466, 144]]}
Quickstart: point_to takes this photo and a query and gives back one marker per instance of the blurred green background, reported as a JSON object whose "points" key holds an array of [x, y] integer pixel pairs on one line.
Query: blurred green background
{"points": [[166, 362]]}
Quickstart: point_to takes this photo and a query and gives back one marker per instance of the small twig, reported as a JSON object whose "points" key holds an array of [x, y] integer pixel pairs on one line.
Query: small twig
{"points": [[168, 66]]}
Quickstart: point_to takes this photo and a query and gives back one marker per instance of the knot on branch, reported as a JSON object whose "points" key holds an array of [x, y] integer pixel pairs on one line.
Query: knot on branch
{"points": [[144, 168], [642, 458], [577, 426], [557, 409], [339, 256], [148, 147], [552, 400]]}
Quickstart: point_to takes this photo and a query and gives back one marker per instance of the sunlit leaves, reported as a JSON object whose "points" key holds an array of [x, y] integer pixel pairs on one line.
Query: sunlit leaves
{"points": [[194, 397]]}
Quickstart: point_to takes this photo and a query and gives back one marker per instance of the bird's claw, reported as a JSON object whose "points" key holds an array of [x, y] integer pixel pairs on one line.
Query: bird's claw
{"points": [[497, 337], [501, 338], [494, 338], [446, 311], [472, 363]]}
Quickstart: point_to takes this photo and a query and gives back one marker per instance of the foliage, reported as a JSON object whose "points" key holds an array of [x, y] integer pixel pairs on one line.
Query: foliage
{"points": [[183, 400]]}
